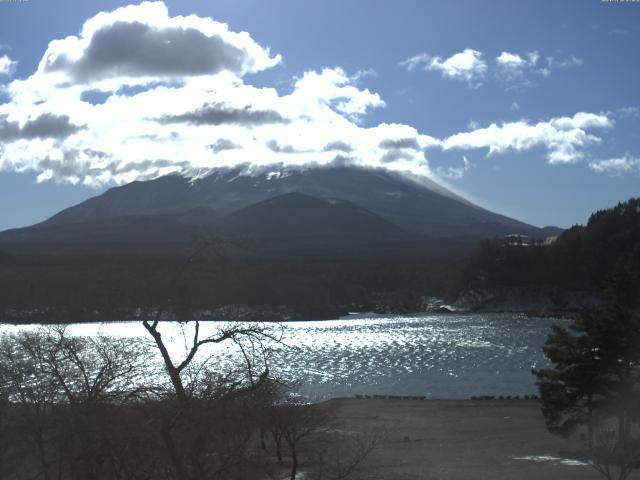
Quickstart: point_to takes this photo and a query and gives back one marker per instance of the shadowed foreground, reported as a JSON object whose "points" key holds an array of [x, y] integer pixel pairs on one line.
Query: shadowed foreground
{"points": [[459, 439]]}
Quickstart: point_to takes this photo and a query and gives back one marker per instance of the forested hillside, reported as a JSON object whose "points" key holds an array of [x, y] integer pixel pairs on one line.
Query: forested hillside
{"points": [[589, 258]]}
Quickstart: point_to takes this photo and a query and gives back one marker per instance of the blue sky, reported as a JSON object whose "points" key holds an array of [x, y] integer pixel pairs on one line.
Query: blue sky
{"points": [[558, 80]]}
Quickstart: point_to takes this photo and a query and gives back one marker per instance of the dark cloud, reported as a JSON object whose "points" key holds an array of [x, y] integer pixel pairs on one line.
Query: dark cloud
{"points": [[276, 147], [77, 163], [338, 146], [9, 131], [46, 125], [342, 161], [49, 125], [394, 156], [223, 144], [146, 166], [219, 114], [400, 143], [70, 165], [135, 49]]}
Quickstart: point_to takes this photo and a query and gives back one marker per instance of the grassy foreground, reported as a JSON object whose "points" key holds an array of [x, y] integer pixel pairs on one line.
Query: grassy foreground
{"points": [[460, 440]]}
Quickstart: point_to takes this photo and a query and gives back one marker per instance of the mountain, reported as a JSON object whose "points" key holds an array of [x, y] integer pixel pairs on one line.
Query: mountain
{"points": [[295, 214], [339, 202], [152, 233]]}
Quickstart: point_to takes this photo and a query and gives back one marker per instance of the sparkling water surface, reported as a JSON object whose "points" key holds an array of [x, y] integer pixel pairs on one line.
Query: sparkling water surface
{"points": [[438, 356]]}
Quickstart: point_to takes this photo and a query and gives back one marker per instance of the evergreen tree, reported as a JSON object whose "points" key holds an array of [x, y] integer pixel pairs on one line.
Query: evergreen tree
{"points": [[594, 382], [570, 392]]}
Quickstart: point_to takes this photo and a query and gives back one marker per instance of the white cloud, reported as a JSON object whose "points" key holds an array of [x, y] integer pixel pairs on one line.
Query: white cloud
{"points": [[158, 116], [467, 65], [564, 63], [366, 72], [512, 67], [582, 120], [523, 70], [515, 69], [627, 112], [454, 173], [510, 60], [533, 58], [617, 166], [7, 66], [332, 87], [619, 31], [143, 41], [564, 138], [545, 72], [416, 61]]}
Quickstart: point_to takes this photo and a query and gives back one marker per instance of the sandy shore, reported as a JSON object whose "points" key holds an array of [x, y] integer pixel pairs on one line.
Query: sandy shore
{"points": [[460, 439]]}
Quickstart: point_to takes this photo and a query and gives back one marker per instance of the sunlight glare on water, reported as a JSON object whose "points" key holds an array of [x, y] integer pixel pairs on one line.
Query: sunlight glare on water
{"points": [[439, 356]]}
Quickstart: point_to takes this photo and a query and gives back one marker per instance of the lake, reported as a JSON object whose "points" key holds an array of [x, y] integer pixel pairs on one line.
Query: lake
{"points": [[440, 356]]}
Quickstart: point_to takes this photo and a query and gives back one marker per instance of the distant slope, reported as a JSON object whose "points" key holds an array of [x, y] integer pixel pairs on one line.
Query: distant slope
{"points": [[286, 225], [165, 194], [151, 233], [416, 205], [297, 215]]}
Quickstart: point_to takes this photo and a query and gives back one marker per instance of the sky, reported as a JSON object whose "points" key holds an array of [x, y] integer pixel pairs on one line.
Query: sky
{"points": [[529, 108]]}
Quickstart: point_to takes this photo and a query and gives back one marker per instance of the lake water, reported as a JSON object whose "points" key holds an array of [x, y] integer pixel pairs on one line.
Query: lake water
{"points": [[440, 356]]}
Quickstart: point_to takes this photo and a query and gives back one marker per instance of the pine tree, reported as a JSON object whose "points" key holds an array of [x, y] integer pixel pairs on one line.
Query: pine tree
{"points": [[594, 381], [570, 392]]}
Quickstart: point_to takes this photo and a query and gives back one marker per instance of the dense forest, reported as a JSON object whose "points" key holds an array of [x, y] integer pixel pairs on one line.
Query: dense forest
{"points": [[213, 283], [582, 259], [208, 285]]}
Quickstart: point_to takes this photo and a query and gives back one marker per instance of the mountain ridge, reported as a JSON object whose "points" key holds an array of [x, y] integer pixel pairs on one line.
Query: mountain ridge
{"points": [[368, 203]]}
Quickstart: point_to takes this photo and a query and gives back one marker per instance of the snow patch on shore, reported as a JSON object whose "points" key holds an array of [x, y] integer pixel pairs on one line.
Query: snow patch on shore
{"points": [[551, 459]]}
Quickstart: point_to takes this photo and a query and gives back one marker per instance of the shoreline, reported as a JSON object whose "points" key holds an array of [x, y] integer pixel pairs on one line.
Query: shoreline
{"points": [[42, 318], [425, 398]]}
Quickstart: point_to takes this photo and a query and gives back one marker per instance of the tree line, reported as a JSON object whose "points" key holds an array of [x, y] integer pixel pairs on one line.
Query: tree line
{"points": [[69, 288], [582, 258]]}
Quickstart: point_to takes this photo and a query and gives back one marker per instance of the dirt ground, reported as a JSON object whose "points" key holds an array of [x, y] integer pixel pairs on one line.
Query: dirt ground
{"points": [[460, 440]]}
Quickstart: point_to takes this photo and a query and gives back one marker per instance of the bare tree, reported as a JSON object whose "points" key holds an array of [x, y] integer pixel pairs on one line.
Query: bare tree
{"points": [[293, 423], [237, 334], [66, 396], [95, 369], [205, 423], [342, 455], [612, 459]]}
